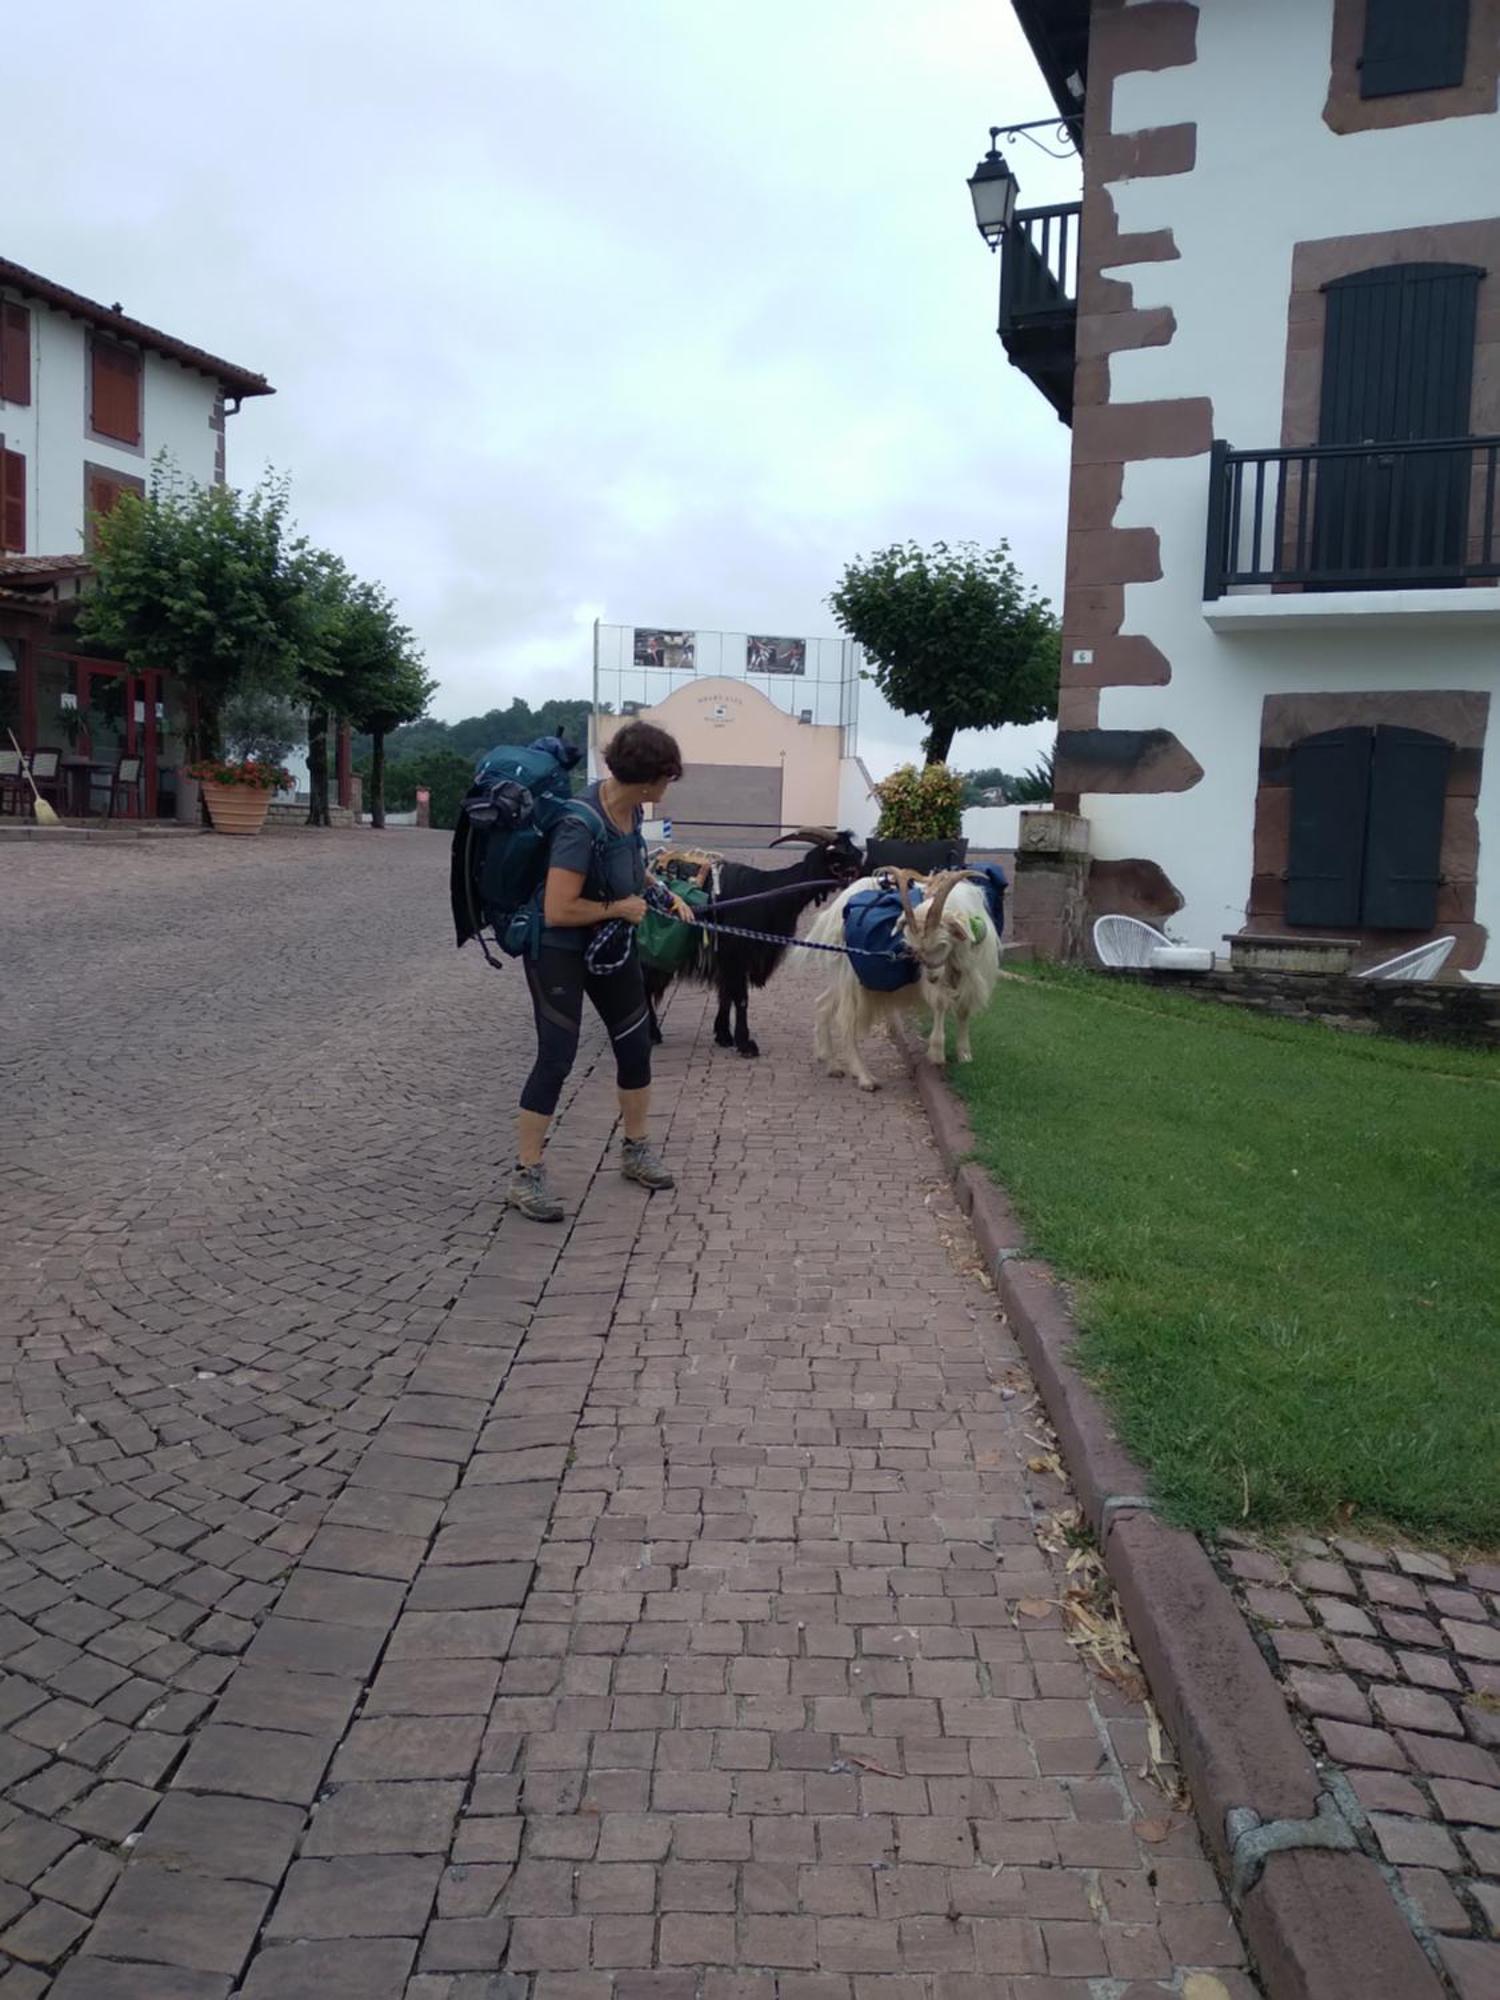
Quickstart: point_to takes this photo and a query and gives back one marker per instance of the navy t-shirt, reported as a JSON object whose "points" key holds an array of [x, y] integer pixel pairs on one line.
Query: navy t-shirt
{"points": [[618, 871]]}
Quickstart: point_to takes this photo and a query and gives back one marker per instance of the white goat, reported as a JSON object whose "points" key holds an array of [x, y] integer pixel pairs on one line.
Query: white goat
{"points": [[957, 949]]}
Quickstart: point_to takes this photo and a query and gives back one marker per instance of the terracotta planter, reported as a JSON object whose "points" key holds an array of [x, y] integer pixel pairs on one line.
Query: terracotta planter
{"points": [[237, 808]]}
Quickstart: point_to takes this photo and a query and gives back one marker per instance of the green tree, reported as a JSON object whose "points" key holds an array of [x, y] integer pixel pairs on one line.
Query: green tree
{"points": [[989, 778], [261, 723], [954, 635], [204, 581], [445, 774], [470, 738], [386, 682], [323, 669]]}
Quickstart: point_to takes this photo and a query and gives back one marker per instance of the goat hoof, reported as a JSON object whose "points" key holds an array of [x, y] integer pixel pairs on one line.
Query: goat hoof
{"points": [[966, 1055], [724, 1039], [748, 1048], [867, 1083], [655, 1036]]}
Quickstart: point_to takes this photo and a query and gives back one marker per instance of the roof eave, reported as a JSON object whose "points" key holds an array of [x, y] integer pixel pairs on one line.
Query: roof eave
{"points": [[1058, 31], [234, 380]]}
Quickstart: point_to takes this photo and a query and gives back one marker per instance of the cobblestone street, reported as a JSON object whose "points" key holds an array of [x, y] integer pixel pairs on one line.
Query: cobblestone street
{"points": [[401, 1600]]}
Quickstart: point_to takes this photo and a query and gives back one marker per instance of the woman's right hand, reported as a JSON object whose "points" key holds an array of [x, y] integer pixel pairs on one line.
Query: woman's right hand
{"points": [[629, 909]]}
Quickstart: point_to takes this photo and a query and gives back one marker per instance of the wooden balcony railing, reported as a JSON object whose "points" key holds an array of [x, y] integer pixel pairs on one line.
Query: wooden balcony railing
{"points": [[1414, 515]]}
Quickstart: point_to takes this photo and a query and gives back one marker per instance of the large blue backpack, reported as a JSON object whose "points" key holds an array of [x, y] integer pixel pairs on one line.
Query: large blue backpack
{"points": [[873, 939], [873, 936], [499, 857]]}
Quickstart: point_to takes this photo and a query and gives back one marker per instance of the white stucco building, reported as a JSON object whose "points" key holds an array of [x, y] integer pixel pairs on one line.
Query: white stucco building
{"points": [[765, 748], [1273, 323], [88, 399]]}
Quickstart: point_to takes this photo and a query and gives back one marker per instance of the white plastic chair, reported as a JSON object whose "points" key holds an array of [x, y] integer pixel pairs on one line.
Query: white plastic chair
{"points": [[1126, 941], [1426, 962]]}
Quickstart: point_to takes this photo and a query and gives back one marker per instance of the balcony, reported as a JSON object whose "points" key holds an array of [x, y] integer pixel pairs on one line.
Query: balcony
{"points": [[1039, 299], [1310, 534]]}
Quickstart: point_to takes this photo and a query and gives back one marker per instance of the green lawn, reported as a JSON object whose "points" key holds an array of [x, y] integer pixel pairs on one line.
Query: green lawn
{"points": [[1285, 1243]]}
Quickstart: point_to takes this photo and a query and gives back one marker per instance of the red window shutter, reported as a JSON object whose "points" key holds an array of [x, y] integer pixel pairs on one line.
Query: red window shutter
{"points": [[116, 399], [15, 353], [101, 494], [13, 502]]}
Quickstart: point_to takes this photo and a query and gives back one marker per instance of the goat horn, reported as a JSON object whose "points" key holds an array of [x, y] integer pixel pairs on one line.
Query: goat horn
{"points": [[943, 888], [904, 877], [815, 836], [945, 885]]}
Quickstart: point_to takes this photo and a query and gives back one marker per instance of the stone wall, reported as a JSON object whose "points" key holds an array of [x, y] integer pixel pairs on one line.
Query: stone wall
{"points": [[1418, 1010]]}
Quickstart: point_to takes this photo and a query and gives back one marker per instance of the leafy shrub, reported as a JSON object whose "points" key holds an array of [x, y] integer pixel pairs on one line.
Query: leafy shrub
{"points": [[1034, 787], [924, 804]]}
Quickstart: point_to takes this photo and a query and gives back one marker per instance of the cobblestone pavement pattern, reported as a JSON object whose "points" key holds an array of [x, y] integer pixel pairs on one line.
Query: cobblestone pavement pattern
{"points": [[400, 1601], [1392, 1657]]}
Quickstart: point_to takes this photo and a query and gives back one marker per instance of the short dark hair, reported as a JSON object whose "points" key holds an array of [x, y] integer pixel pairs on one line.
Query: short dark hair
{"points": [[642, 754]]}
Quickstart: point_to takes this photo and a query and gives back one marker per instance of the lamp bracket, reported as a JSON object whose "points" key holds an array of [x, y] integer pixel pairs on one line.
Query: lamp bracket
{"points": [[1066, 131]]}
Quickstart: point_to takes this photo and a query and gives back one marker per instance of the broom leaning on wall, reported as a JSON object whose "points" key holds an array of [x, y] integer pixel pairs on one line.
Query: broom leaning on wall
{"points": [[45, 816]]}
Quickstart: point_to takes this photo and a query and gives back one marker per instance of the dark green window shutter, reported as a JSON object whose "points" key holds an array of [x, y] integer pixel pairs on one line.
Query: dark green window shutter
{"points": [[1404, 840], [1413, 45], [1330, 794]]}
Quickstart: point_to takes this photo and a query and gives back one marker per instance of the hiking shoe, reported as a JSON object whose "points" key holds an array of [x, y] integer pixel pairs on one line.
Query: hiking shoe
{"points": [[529, 1192], [640, 1161]]}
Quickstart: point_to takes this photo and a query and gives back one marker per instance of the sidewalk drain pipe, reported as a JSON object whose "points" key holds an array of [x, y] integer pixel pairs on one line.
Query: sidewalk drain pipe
{"points": [[1251, 1839]]}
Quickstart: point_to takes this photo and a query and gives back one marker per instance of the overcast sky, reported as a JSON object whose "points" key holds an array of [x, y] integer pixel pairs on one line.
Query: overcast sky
{"points": [[651, 310]]}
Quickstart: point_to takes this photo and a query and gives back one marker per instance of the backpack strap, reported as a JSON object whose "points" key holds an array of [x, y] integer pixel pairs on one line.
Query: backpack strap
{"points": [[580, 809], [592, 818]]}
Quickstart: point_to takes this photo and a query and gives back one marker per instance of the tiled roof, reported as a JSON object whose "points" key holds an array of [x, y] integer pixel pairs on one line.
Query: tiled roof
{"points": [[42, 565], [238, 381]]}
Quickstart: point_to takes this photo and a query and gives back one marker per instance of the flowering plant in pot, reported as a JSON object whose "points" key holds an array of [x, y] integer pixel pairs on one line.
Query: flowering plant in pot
{"points": [[238, 790]]}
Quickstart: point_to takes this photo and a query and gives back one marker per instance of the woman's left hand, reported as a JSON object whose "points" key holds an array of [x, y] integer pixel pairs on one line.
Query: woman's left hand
{"points": [[681, 910]]}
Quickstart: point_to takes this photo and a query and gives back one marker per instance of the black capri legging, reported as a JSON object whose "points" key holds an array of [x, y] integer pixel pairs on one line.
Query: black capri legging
{"points": [[558, 981]]}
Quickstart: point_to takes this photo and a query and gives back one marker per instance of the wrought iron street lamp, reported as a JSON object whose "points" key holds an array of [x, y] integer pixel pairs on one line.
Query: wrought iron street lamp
{"points": [[993, 189]]}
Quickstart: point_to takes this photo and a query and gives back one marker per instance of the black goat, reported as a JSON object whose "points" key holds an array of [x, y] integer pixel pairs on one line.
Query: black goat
{"points": [[779, 896]]}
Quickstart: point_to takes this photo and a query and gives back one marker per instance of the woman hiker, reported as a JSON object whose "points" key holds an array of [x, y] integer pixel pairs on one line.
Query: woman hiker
{"points": [[594, 879]]}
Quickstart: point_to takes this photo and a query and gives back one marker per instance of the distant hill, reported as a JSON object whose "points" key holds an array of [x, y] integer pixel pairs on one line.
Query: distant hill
{"points": [[520, 723], [441, 755]]}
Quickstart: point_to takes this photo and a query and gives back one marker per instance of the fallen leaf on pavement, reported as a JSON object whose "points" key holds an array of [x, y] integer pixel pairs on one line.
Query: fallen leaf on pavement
{"points": [[1154, 1831], [869, 1764], [1204, 1986], [1035, 1607], [1051, 1463]]}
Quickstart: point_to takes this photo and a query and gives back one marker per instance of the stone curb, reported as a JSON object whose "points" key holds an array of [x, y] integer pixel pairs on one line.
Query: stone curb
{"points": [[1322, 1924], [114, 836]]}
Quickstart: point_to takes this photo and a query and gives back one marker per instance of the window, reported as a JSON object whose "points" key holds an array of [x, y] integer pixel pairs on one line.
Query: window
{"points": [[114, 391], [1398, 366], [12, 501], [1367, 829], [101, 489], [15, 353], [1413, 45]]}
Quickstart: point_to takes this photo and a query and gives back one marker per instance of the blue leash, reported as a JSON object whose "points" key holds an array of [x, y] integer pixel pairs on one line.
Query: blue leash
{"points": [[607, 952]]}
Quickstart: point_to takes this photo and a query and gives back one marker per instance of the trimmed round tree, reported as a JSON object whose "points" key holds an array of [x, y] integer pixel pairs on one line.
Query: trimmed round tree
{"points": [[954, 635]]}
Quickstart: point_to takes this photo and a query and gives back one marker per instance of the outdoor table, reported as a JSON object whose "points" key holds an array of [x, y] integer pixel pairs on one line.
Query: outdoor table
{"points": [[78, 773]]}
